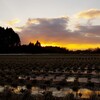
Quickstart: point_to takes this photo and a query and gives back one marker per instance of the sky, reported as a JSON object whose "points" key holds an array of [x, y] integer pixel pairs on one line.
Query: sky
{"points": [[73, 24]]}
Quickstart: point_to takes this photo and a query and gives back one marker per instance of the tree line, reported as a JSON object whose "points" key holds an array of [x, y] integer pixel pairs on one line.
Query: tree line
{"points": [[10, 43]]}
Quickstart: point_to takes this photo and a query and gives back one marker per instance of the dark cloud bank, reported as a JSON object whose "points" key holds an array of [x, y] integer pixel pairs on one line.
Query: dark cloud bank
{"points": [[56, 30]]}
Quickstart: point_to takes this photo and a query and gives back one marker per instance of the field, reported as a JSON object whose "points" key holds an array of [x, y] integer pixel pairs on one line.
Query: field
{"points": [[47, 72]]}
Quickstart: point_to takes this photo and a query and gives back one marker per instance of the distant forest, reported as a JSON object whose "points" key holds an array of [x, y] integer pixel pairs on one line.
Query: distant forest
{"points": [[10, 43]]}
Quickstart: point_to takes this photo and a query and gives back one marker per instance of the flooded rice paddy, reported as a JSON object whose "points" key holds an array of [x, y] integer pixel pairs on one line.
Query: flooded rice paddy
{"points": [[56, 73]]}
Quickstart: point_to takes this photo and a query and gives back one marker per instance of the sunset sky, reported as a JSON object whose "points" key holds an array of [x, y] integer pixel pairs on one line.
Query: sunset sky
{"points": [[74, 24]]}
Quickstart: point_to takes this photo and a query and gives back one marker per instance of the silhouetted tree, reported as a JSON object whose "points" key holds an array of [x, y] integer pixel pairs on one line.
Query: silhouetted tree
{"points": [[12, 37], [8, 39], [31, 44], [38, 44]]}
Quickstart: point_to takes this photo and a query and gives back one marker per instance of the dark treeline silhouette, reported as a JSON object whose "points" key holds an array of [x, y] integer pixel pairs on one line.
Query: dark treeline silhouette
{"points": [[8, 40], [10, 43], [37, 48]]}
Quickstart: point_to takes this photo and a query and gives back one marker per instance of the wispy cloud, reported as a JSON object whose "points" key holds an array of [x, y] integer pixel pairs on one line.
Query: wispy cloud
{"points": [[13, 22], [89, 14]]}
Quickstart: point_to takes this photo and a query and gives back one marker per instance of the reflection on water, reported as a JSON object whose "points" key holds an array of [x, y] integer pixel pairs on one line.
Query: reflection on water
{"points": [[84, 80], [60, 78], [1, 89], [95, 80], [85, 93], [70, 79], [57, 93]]}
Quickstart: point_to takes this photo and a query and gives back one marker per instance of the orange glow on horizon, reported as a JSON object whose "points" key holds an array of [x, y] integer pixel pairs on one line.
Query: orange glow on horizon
{"points": [[74, 46], [69, 46], [82, 46]]}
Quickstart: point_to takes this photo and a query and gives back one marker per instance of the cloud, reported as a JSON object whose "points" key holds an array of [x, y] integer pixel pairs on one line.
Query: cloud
{"points": [[48, 29], [95, 30], [89, 14], [91, 34], [13, 22], [56, 31]]}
